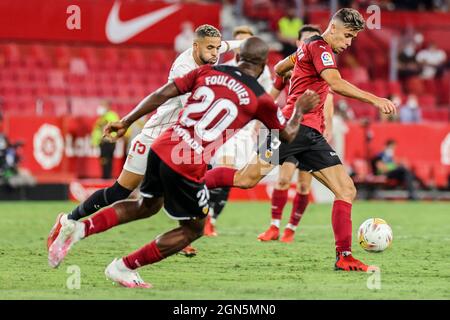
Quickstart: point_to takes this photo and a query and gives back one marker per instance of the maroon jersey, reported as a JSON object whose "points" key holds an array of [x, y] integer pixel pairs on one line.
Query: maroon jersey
{"points": [[314, 56], [222, 101]]}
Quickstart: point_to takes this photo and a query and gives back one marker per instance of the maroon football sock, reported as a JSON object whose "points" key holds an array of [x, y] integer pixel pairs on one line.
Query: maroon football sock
{"points": [[279, 199], [219, 177], [101, 221], [146, 255], [299, 206], [342, 225]]}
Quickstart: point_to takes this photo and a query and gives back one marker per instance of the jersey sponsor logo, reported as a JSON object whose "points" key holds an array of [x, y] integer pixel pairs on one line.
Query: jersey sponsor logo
{"points": [[300, 54], [327, 59], [48, 146], [185, 135], [118, 31]]}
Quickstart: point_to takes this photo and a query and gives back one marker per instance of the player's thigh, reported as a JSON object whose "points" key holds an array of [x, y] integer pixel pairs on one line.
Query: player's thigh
{"points": [[137, 157], [304, 182], [152, 184], [225, 161], [338, 181], [129, 180], [225, 154], [286, 172], [183, 199], [252, 173]]}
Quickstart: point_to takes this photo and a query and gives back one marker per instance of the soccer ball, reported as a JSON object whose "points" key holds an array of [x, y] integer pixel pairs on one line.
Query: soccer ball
{"points": [[375, 235]]}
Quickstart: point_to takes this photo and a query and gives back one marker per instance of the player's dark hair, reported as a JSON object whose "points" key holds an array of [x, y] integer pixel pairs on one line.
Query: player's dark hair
{"points": [[308, 28], [390, 142], [351, 19], [207, 30]]}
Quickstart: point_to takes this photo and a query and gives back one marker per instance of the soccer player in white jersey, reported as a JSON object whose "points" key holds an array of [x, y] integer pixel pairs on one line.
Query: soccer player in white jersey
{"points": [[206, 48], [238, 149]]}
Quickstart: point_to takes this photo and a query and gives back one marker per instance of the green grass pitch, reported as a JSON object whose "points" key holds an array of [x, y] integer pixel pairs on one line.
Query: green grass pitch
{"points": [[234, 265]]}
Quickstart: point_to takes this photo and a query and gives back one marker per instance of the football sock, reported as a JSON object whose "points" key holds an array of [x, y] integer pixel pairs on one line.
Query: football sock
{"points": [[342, 225], [279, 200], [103, 220], [220, 177], [146, 255], [298, 208], [99, 199], [217, 199], [276, 223]]}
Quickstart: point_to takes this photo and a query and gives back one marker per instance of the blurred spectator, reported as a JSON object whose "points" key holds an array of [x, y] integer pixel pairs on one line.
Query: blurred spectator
{"points": [[410, 112], [185, 38], [384, 164], [10, 173], [106, 147], [432, 60], [407, 64], [345, 110], [288, 27], [340, 128], [78, 66]]}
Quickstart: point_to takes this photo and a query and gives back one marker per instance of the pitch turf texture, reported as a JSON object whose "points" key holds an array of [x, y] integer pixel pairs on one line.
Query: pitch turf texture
{"points": [[233, 265]]}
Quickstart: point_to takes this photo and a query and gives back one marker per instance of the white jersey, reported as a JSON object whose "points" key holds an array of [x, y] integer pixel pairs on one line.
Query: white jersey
{"points": [[167, 114]]}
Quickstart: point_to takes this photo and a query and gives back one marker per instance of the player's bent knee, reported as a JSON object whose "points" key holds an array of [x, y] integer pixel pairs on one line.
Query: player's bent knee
{"points": [[283, 183], [347, 192], [192, 232], [247, 182], [303, 188], [150, 206]]}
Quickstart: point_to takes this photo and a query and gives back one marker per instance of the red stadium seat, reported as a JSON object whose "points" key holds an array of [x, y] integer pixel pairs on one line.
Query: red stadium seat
{"points": [[423, 171], [441, 175], [427, 101], [415, 86]]}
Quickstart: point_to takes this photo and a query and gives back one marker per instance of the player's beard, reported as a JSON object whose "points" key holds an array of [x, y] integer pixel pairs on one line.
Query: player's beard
{"points": [[205, 61]]}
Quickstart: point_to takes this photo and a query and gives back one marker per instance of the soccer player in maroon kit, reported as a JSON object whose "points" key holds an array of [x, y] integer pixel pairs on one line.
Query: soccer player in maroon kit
{"points": [[289, 167], [316, 69], [223, 100]]}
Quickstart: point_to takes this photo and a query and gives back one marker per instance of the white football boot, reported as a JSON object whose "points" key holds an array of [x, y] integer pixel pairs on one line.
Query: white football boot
{"points": [[71, 232], [119, 273]]}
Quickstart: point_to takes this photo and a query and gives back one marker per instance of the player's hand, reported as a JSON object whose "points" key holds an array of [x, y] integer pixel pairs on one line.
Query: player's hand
{"points": [[385, 106], [308, 100], [114, 130]]}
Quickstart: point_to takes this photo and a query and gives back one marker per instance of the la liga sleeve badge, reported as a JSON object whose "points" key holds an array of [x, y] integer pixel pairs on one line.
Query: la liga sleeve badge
{"points": [[327, 59]]}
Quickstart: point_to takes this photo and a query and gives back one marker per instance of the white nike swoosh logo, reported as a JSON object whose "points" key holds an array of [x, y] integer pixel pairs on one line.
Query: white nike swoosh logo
{"points": [[118, 31]]}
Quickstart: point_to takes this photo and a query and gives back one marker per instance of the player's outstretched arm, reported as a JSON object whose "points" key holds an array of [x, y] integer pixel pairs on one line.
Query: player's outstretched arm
{"points": [[115, 130], [308, 100], [345, 88], [229, 45], [283, 67]]}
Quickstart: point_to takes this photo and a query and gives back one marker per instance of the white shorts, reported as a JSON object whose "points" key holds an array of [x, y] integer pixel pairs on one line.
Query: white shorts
{"points": [[241, 147], [138, 154]]}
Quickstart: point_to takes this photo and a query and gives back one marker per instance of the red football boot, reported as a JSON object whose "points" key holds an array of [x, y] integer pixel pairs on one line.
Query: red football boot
{"points": [[346, 262], [273, 233], [188, 251], [288, 235], [210, 229]]}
